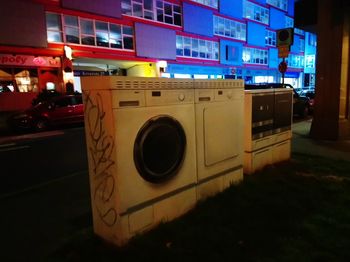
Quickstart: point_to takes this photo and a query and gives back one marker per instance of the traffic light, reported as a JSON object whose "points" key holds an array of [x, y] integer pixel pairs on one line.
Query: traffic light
{"points": [[285, 37]]}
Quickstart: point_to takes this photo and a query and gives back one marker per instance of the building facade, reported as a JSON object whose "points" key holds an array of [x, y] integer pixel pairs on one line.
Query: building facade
{"points": [[45, 44]]}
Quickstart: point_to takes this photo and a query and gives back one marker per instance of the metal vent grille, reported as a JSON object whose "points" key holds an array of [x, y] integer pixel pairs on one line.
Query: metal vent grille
{"points": [[151, 83], [219, 84]]}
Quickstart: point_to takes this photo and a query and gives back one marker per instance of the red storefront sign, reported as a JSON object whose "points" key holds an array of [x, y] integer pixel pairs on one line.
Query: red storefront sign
{"points": [[26, 60]]}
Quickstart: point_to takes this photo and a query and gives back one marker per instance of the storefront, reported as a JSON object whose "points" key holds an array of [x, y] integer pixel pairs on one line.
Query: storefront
{"points": [[22, 77]]}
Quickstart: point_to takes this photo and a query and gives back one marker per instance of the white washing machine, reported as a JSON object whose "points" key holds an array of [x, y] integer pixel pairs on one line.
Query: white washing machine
{"points": [[142, 153], [219, 106]]}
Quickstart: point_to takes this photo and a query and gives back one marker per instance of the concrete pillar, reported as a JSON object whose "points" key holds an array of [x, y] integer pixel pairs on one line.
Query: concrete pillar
{"points": [[331, 116]]}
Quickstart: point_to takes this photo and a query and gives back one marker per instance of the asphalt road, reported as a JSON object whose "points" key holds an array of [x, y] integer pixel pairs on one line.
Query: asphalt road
{"points": [[45, 196], [30, 160]]}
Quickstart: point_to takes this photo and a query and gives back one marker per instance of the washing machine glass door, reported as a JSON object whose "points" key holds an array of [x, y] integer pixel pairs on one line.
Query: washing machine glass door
{"points": [[159, 149]]}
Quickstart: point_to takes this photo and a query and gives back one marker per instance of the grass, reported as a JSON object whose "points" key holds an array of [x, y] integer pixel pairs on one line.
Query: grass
{"points": [[294, 211]]}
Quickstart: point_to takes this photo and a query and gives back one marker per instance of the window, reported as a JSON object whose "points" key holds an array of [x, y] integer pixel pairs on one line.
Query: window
{"points": [[71, 29], [197, 48], [54, 28], [312, 39], [115, 36], [256, 12], [310, 61], [102, 37], [281, 4], [270, 38], [87, 32], [295, 61], [211, 3], [90, 32], [156, 10], [128, 37], [255, 56], [301, 45], [26, 79], [229, 28], [299, 31], [289, 22], [138, 8]]}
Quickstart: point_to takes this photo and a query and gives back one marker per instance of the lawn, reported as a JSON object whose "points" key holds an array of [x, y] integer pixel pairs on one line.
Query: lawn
{"points": [[294, 211]]}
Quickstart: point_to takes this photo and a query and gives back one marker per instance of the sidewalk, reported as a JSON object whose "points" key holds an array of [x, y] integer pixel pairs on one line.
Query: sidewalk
{"points": [[302, 143]]}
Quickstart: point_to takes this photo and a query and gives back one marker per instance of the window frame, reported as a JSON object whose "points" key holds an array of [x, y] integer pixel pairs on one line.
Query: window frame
{"points": [[270, 36], [211, 3], [157, 11], [256, 12], [257, 56], [85, 34], [295, 61], [310, 61], [218, 21], [289, 22], [206, 49], [281, 4], [65, 26], [125, 36], [59, 25]]}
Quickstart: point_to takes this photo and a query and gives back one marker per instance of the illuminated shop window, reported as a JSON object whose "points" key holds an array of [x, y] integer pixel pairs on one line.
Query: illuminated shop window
{"points": [[26, 79], [295, 61], [255, 12], [263, 79], [310, 61], [196, 48], [166, 75], [270, 38], [78, 30], [255, 56], [281, 4], [50, 86], [157, 10], [187, 76], [19, 80], [230, 28], [200, 76], [211, 3], [54, 27], [289, 22]]}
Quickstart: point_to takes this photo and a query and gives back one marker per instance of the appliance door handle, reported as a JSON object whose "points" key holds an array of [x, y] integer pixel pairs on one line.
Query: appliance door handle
{"points": [[204, 98]]}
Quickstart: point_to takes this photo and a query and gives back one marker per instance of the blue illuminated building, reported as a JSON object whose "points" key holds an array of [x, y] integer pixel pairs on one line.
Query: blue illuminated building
{"points": [[197, 38]]}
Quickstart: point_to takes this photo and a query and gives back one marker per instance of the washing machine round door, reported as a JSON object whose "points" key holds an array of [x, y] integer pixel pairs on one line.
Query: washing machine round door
{"points": [[159, 149]]}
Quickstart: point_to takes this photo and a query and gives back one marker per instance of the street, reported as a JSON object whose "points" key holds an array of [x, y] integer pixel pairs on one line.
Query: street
{"points": [[45, 194], [34, 159]]}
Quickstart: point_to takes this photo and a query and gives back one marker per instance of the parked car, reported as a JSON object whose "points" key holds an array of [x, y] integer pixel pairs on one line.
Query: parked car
{"points": [[311, 95], [301, 104], [57, 111]]}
